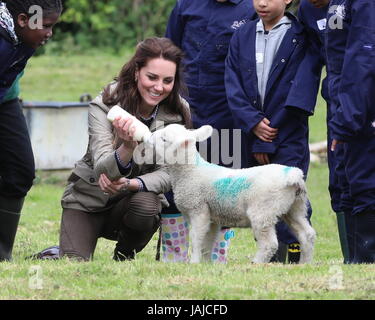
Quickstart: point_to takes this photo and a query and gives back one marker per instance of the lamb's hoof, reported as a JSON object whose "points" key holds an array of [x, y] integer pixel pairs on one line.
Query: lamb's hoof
{"points": [[257, 261], [305, 261], [194, 261]]}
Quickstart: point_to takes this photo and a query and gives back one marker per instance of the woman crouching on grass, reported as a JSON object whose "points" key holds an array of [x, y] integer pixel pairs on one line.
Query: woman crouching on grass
{"points": [[108, 194]]}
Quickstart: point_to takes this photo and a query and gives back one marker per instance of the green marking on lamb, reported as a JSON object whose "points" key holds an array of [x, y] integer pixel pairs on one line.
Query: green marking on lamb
{"points": [[231, 187]]}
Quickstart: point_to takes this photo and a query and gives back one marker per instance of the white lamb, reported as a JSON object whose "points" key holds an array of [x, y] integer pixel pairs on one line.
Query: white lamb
{"points": [[211, 196]]}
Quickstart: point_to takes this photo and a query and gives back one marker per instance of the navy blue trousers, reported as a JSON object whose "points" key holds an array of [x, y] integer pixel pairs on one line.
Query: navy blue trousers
{"points": [[359, 160], [17, 168]]}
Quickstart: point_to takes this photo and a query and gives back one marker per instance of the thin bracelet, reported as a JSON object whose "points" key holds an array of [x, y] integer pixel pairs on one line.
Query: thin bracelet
{"points": [[125, 187]]}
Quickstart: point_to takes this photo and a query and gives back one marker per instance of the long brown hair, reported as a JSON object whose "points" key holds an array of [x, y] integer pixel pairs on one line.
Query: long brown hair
{"points": [[126, 93]]}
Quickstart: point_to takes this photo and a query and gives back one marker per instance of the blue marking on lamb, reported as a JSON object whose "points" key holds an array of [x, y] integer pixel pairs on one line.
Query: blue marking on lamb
{"points": [[287, 169], [231, 187]]}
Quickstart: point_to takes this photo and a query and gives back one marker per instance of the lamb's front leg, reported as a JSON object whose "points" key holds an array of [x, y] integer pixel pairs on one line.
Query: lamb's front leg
{"points": [[209, 241], [199, 227]]}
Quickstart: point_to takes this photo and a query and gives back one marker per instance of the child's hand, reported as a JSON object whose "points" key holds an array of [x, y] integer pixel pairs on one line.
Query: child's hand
{"points": [[262, 158], [334, 144], [264, 132]]}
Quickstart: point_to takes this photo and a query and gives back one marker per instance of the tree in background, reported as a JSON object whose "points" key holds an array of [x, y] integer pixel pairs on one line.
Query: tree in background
{"points": [[294, 7], [112, 24]]}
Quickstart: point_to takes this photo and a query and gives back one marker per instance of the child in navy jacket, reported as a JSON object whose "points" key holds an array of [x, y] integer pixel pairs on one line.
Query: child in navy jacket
{"points": [[313, 15], [22, 30], [267, 65], [350, 46]]}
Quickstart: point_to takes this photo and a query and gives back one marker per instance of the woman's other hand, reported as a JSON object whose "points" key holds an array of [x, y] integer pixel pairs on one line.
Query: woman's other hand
{"points": [[116, 186]]}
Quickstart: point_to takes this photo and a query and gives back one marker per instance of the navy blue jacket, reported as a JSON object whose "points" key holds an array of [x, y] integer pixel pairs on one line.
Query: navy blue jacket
{"points": [[291, 145], [13, 59], [315, 23], [203, 29], [350, 46]]}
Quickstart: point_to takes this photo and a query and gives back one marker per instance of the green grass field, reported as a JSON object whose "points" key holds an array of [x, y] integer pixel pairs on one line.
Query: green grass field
{"points": [[65, 79]]}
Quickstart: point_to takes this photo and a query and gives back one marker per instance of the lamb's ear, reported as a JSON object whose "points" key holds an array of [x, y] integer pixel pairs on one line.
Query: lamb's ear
{"points": [[203, 133]]}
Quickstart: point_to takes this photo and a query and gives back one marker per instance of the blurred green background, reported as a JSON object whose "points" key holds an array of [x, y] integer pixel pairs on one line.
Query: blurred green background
{"points": [[111, 25]]}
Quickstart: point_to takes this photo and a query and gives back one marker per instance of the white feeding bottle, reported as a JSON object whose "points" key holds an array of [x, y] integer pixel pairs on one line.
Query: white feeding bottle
{"points": [[142, 132]]}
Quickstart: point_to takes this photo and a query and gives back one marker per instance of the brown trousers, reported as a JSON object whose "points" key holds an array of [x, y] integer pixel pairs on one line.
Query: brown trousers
{"points": [[132, 221]]}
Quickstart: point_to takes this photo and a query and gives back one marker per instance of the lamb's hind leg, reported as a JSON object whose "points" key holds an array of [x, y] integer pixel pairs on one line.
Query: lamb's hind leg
{"points": [[266, 242], [296, 218], [199, 227]]}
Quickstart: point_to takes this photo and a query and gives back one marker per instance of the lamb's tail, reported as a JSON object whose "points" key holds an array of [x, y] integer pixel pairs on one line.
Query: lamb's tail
{"points": [[294, 177]]}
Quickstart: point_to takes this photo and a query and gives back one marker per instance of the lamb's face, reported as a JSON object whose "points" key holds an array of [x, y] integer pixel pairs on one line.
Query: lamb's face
{"points": [[175, 143], [166, 138]]}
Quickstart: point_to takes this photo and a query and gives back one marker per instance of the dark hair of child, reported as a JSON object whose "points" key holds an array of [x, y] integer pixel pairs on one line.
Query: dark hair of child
{"points": [[17, 7]]}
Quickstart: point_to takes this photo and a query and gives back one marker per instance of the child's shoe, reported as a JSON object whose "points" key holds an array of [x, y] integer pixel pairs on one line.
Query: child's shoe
{"points": [[280, 255], [294, 252]]}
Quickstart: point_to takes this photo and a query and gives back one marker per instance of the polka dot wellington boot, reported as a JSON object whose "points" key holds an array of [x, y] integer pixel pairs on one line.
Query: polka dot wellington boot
{"points": [[220, 250], [175, 238]]}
